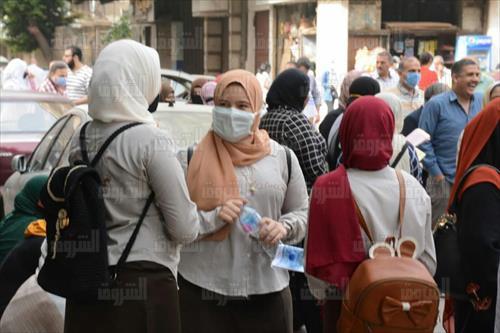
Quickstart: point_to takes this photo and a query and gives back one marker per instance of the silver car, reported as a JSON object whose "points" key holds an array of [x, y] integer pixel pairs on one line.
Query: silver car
{"points": [[185, 123]]}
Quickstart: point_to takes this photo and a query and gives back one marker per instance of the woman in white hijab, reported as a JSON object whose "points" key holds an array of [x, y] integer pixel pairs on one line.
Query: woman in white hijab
{"points": [[14, 75], [139, 162], [38, 75], [404, 155]]}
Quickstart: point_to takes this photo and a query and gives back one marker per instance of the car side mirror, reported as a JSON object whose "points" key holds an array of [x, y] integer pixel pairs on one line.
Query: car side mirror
{"points": [[18, 163]]}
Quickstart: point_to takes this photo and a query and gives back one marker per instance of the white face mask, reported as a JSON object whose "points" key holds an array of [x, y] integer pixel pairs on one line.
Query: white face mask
{"points": [[232, 124]]}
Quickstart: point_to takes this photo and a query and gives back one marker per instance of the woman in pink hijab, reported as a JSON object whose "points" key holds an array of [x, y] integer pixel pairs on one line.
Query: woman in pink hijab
{"points": [[207, 92]]}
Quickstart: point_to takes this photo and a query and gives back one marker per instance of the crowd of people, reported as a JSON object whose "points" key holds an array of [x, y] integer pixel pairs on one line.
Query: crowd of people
{"points": [[329, 187], [68, 77]]}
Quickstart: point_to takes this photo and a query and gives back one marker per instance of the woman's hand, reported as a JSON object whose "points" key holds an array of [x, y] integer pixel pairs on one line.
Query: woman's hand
{"points": [[271, 232], [231, 210]]}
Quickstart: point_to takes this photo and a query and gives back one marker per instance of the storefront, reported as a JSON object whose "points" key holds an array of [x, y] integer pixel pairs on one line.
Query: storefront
{"points": [[296, 33], [414, 38]]}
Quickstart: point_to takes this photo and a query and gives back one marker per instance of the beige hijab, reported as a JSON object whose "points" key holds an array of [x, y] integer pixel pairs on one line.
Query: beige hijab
{"points": [[211, 176]]}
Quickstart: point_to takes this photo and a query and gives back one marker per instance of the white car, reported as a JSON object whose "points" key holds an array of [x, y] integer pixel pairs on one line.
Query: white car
{"points": [[185, 123], [181, 82]]}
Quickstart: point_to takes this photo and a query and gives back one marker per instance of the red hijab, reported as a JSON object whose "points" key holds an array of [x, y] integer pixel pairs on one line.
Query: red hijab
{"points": [[476, 136], [335, 246]]}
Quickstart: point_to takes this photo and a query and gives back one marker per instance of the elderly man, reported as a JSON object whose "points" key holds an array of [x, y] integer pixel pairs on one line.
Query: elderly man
{"points": [[410, 96], [444, 117], [386, 76]]}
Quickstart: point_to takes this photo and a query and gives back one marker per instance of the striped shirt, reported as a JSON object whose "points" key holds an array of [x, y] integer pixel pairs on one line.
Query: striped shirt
{"points": [[49, 87], [78, 83]]}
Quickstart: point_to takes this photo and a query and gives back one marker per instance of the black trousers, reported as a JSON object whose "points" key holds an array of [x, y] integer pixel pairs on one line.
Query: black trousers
{"points": [[306, 310], [203, 311], [469, 321], [145, 299]]}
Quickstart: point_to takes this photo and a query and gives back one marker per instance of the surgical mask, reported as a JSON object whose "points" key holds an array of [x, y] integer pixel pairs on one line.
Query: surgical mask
{"points": [[412, 79], [61, 81], [232, 124]]}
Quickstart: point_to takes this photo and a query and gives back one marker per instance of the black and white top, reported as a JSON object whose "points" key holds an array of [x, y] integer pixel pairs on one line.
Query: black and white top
{"points": [[78, 83], [292, 129]]}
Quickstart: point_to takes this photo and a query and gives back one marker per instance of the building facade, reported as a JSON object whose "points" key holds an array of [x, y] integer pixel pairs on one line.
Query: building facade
{"points": [[336, 33]]}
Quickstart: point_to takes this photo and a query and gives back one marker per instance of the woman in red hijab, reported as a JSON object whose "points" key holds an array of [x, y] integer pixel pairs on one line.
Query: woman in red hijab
{"points": [[476, 201], [336, 244]]}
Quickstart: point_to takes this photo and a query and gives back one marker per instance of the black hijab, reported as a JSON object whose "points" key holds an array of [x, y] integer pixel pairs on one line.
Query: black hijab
{"points": [[363, 86], [490, 154], [290, 89]]}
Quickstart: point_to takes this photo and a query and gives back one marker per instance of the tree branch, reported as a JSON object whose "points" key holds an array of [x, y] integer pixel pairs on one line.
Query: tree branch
{"points": [[42, 41]]}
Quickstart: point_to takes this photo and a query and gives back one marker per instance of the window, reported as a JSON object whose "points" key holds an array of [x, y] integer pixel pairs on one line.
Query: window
{"points": [[25, 117], [58, 154], [39, 156]]}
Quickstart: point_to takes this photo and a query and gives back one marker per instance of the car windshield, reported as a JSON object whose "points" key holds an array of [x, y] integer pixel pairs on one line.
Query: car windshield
{"points": [[29, 116]]}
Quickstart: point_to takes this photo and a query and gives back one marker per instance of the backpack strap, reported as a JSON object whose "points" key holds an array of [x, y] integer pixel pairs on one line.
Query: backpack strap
{"points": [[400, 155], [102, 149], [83, 143], [402, 203], [362, 221], [288, 163], [402, 200], [132, 238]]}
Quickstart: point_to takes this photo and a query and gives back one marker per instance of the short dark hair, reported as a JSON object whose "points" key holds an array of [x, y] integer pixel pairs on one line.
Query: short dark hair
{"points": [[304, 62], [264, 67], [56, 65], [404, 61], [458, 67], [76, 51], [387, 55], [425, 58], [435, 89]]}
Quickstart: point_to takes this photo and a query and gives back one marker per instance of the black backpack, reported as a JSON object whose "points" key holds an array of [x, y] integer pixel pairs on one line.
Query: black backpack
{"points": [[76, 266]]}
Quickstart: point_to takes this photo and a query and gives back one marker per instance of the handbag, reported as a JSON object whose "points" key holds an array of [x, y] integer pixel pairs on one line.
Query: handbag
{"points": [[449, 274]]}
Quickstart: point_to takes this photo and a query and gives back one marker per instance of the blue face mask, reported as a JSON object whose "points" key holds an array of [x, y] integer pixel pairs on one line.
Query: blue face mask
{"points": [[412, 79], [232, 124], [61, 81]]}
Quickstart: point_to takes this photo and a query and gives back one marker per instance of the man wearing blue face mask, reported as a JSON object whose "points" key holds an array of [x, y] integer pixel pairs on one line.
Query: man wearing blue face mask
{"points": [[55, 83], [410, 96]]}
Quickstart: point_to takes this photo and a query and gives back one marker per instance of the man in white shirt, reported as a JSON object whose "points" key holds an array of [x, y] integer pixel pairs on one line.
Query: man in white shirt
{"points": [[385, 75], [79, 76]]}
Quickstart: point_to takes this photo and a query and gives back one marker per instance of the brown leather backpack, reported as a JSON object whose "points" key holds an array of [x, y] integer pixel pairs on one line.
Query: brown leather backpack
{"points": [[391, 292]]}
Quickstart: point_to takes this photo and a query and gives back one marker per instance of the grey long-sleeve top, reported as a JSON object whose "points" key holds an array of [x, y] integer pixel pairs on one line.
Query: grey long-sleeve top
{"points": [[140, 160], [239, 265]]}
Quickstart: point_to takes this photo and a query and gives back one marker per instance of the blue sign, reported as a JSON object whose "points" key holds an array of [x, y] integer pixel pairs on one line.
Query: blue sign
{"points": [[478, 42]]}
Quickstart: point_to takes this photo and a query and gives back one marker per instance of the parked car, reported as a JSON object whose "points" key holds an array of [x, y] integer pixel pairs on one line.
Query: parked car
{"points": [[181, 82], [185, 123], [25, 116]]}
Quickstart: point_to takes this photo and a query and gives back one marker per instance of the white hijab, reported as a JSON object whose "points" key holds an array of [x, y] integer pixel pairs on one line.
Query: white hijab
{"points": [[125, 80], [396, 108], [398, 140], [39, 74], [12, 75]]}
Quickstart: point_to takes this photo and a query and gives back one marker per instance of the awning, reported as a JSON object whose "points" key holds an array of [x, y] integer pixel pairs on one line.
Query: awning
{"points": [[421, 27]]}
